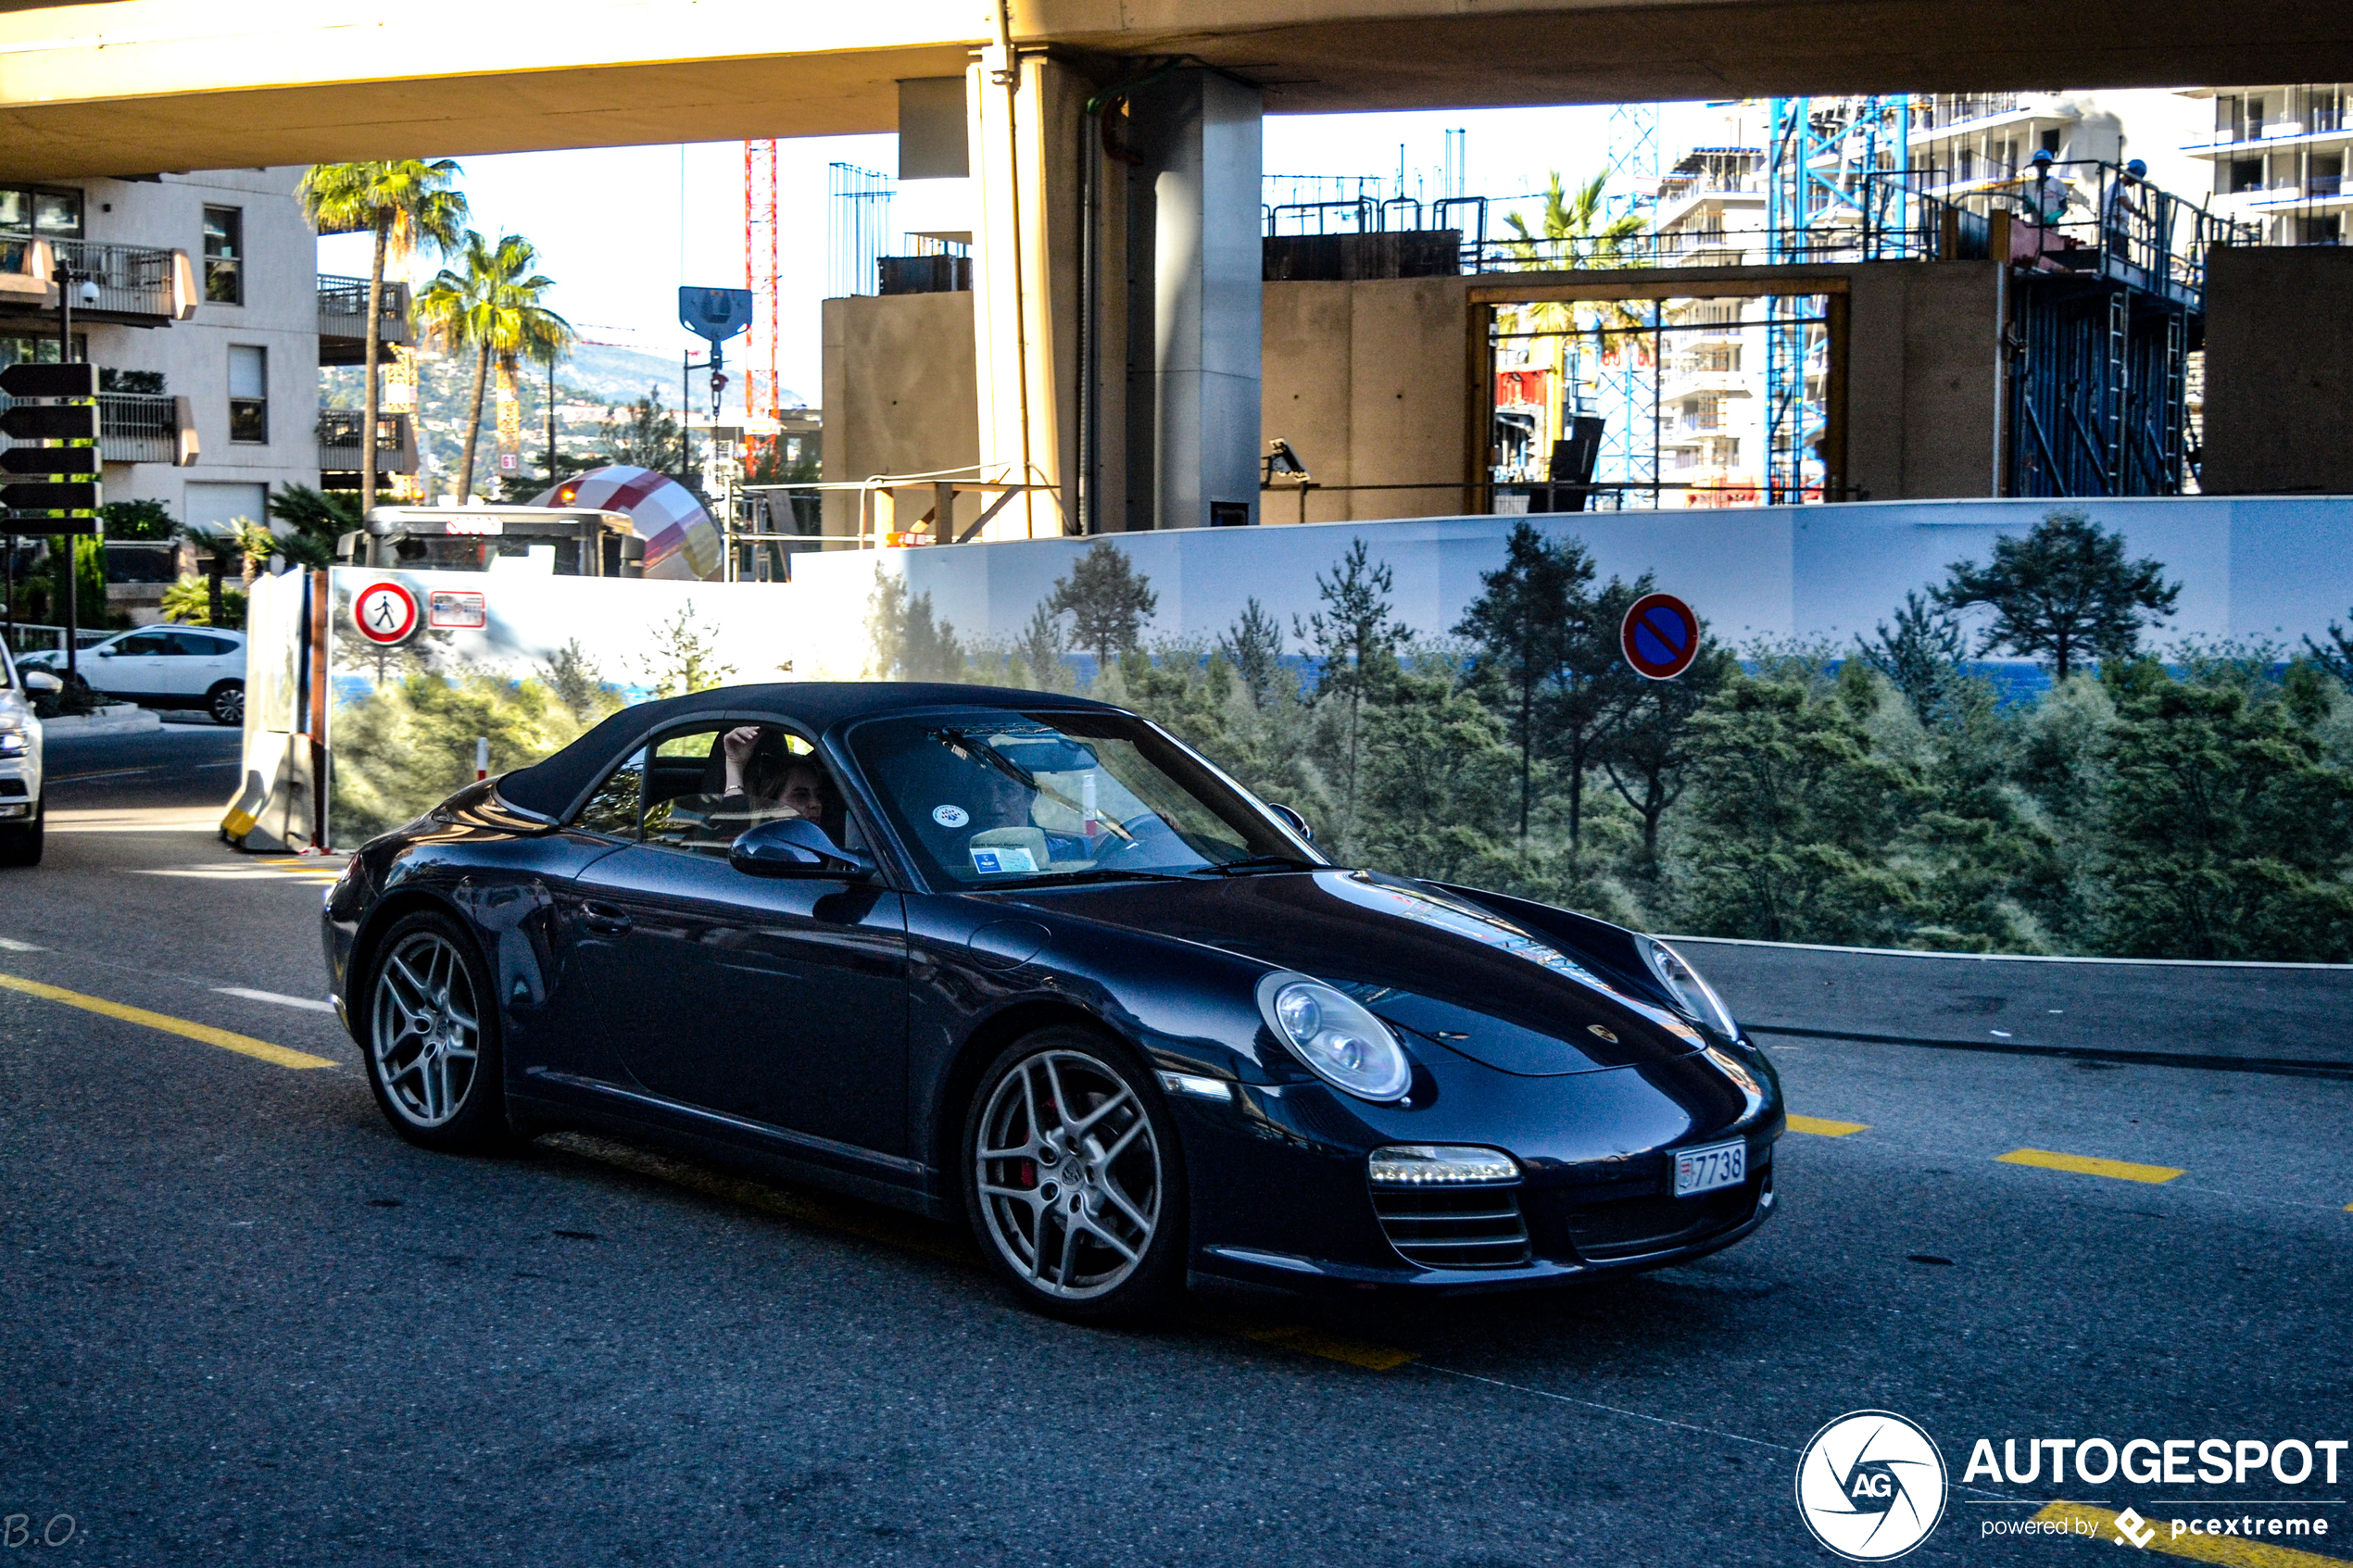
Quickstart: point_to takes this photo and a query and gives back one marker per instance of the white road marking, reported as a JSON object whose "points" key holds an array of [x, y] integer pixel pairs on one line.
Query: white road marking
{"points": [[280, 997], [10, 945]]}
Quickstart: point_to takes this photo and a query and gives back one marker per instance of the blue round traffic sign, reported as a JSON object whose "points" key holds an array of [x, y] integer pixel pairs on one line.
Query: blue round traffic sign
{"points": [[1659, 636]]}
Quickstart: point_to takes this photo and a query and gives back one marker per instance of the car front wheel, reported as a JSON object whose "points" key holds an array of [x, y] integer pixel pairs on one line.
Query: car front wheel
{"points": [[226, 702], [433, 1038], [1073, 1182]]}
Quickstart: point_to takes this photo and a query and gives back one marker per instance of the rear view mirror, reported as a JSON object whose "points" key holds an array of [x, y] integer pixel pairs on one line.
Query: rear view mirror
{"points": [[1297, 823], [797, 847], [41, 680]]}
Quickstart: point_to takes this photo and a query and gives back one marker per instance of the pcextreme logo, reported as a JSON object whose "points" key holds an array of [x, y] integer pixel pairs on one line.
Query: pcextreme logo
{"points": [[1870, 1486]]}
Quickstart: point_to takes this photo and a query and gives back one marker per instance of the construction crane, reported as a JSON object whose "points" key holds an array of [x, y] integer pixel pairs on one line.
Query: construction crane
{"points": [[761, 387]]}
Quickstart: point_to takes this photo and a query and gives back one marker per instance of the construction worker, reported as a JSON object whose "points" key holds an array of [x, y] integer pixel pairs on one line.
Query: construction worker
{"points": [[2125, 218]]}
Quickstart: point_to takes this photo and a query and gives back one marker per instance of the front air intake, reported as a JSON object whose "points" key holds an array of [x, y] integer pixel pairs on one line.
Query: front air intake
{"points": [[1454, 1227]]}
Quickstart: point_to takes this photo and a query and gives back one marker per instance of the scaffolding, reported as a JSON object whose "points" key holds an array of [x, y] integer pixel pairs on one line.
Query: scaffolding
{"points": [[1837, 170]]}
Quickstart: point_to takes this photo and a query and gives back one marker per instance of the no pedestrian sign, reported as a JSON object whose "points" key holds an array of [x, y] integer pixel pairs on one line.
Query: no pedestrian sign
{"points": [[1660, 636], [384, 613]]}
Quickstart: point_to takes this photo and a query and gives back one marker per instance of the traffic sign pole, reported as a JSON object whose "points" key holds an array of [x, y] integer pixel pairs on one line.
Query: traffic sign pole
{"points": [[60, 496]]}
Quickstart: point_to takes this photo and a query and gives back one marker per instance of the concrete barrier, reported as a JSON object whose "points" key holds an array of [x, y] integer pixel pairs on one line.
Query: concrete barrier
{"points": [[2253, 1017]]}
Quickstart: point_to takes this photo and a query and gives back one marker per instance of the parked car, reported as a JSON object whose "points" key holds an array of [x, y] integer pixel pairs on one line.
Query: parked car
{"points": [[1029, 963], [165, 667], [23, 799]]}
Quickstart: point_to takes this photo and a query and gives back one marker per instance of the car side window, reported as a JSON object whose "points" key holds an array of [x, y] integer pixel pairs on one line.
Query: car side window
{"points": [[612, 808], [146, 644], [702, 792], [201, 647]]}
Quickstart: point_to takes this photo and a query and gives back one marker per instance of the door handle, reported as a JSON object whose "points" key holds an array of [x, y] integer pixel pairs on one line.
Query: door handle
{"points": [[604, 918]]}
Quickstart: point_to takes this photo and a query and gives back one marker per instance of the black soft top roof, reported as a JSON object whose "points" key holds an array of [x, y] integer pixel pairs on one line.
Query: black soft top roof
{"points": [[549, 785]]}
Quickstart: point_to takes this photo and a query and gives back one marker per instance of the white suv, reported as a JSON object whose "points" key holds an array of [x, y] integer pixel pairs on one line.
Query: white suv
{"points": [[20, 793], [165, 667]]}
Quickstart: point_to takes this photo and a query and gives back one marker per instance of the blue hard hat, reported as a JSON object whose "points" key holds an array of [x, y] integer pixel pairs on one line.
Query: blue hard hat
{"points": [[2136, 169], [2042, 154]]}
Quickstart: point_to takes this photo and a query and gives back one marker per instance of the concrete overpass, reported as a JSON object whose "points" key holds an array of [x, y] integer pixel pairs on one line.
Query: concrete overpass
{"points": [[133, 86], [1088, 238]]}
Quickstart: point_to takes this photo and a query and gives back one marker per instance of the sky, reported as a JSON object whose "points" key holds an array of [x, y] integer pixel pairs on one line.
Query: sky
{"points": [[621, 229]]}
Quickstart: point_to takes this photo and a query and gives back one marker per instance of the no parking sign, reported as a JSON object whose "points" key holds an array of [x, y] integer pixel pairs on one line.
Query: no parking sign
{"points": [[1659, 636], [384, 613]]}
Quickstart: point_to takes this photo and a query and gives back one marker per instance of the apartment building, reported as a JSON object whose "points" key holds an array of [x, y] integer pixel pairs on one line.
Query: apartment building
{"points": [[205, 330], [2277, 155], [1974, 142]]}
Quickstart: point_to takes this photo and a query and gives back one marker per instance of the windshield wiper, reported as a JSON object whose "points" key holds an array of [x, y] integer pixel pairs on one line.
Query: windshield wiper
{"points": [[1263, 863], [1065, 879]]}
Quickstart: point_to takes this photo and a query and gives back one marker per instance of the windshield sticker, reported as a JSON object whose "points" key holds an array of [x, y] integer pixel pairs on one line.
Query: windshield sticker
{"points": [[1003, 860], [951, 816]]}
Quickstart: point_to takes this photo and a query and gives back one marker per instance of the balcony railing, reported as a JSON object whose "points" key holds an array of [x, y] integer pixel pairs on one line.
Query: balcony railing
{"points": [[139, 427], [343, 315], [132, 279], [339, 441]]}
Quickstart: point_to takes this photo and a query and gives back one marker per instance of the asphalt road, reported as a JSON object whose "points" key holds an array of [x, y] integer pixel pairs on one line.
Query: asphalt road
{"points": [[242, 1323]]}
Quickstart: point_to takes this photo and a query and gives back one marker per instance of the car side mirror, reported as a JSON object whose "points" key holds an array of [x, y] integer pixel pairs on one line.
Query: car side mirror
{"points": [[797, 847], [43, 681], [107, 652], [1298, 823]]}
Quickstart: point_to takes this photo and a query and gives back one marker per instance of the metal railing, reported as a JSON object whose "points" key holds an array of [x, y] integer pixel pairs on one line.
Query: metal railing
{"points": [[339, 440], [2085, 217], [138, 427], [343, 308], [132, 279]]}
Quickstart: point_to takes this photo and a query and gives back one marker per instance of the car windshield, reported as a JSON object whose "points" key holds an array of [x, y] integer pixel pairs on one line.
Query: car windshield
{"points": [[990, 797]]}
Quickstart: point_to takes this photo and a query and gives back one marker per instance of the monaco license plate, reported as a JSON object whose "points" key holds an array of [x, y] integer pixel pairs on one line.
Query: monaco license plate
{"points": [[1704, 1170]]}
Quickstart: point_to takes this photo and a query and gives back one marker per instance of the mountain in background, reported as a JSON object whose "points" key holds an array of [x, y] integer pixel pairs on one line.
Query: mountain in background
{"points": [[617, 376], [606, 377]]}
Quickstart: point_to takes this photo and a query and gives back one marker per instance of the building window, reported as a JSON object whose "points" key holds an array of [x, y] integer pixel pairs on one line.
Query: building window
{"points": [[248, 394], [53, 215], [2049, 142], [224, 251]]}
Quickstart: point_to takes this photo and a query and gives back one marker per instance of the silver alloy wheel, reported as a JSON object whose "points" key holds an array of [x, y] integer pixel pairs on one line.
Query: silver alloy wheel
{"points": [[229, 705], [1069, 1174], [426, 1036]]}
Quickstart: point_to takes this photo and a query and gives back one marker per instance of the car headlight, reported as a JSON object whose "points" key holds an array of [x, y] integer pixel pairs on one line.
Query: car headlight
{"points": [[1330, 1031], [11, 735], [1692, 994]]}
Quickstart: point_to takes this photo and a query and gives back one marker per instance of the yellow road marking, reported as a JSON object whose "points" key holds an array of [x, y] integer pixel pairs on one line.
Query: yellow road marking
{"points": [[243, 1044], [1823, 1127], [2088, 1165], [1312, 1342], [913, 1235], [2237, 1551]]}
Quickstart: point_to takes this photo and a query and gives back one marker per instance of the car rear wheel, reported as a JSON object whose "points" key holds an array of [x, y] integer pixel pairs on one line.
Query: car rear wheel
{"points": [[433, 1038], [20, 845], [226, 702], [1073, 1183]]}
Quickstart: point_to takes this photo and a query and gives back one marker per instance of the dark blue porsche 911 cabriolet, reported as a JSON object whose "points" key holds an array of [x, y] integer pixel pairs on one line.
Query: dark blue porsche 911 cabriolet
{"points": [[1029, 961]]}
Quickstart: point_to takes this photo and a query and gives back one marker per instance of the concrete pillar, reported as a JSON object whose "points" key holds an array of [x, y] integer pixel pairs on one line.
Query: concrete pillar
{"points": [[1025, 121], [1193, 326]]}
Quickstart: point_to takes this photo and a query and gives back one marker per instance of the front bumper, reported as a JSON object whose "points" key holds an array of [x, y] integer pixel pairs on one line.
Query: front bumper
{"points": [[1560, 1225], [20, 779], [1597, 1152]]}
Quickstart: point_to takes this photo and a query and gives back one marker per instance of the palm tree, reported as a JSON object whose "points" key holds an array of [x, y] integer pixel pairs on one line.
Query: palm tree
{"points": [[1576, 218], [492, 305], [1577, 233], [407, 204]]}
